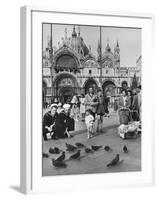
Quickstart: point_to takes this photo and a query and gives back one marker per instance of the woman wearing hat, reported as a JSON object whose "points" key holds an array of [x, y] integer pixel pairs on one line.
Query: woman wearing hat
{"points": [[49, 121], [64, 123]]}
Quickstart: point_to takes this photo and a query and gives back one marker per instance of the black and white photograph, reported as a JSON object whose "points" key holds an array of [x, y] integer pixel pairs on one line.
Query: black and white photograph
{"points": [[91, 99]]}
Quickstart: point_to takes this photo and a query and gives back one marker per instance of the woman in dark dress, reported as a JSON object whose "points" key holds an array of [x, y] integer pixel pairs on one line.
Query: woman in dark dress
{"points": [[124, 108], [49, 121], [64, 123], [101, 107]]}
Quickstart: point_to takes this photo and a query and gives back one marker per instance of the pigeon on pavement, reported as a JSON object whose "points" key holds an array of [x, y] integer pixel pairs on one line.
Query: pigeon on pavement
{"points": [[125, 149], [79, 145], [107, 148], [59, 164], [45, 155], [54, 150], [114, 161], [75, 156], [88, 150], [70, 147], [61, 157], [96, 148]]}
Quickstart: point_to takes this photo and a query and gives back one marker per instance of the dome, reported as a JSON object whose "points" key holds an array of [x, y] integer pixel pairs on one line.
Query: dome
{"points": [[78, 44], [82, 45]]}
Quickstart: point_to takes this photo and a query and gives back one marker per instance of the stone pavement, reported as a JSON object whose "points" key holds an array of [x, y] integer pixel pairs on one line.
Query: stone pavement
{"points": [[96, 162]]}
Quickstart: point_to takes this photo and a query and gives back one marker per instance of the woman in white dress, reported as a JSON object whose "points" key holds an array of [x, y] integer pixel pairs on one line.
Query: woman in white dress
{"points": [[75, 108]]}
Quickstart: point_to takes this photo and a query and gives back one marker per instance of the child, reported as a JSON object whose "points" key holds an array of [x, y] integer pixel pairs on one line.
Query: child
{"points": [[89, 120]]}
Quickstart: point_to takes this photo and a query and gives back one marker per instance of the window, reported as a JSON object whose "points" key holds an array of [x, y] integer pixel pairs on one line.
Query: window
{"points": [[90, 72]]}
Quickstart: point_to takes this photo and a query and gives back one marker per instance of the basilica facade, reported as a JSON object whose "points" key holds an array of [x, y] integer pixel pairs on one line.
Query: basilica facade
{"points": [[71, 68]]}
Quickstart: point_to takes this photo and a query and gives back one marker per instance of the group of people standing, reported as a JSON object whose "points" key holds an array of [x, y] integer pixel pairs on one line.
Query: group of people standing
{"points": [[59, 121], [130, 105]]}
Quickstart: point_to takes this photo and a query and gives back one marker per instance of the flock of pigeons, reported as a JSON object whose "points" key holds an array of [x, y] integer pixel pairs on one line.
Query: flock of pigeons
{"points": [[60, 162]]}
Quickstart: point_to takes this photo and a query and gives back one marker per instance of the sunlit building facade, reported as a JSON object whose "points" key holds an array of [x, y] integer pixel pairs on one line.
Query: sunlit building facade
{"points": [[71, 68]]}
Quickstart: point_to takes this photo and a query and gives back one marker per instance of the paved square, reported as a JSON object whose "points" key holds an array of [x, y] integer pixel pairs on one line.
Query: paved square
{"points": [[96, 162]]}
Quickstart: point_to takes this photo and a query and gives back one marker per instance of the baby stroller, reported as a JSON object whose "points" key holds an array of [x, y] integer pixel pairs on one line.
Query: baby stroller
{"points": [[129, 130]]}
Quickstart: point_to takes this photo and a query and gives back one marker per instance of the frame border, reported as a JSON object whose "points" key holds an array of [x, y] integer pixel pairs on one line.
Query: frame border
{"points": [[26, 83]]}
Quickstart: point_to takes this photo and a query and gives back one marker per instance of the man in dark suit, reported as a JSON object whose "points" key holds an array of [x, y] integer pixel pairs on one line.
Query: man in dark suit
{"points": [[64, 123]]}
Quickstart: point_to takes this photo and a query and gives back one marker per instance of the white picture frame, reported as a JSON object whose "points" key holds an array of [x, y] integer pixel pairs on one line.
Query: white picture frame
{"points": [[31, 75]]}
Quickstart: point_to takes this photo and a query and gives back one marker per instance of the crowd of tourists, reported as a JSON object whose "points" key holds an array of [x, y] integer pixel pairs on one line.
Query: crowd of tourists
{"points": [[59, 121]]}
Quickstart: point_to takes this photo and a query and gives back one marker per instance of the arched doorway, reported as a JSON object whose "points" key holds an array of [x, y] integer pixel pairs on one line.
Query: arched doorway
{"points": [[66, 93], [65, 86], [109, 88], [90, 83]]}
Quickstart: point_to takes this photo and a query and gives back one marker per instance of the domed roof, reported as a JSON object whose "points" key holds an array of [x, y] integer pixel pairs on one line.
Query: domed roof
{"points": [[78, 43]]}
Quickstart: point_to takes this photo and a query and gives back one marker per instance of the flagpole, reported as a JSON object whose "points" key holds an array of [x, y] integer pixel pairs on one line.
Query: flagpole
{"points": [[100, 57], [51, 57]]}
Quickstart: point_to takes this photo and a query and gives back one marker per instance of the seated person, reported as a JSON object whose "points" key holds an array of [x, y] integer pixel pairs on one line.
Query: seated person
{"points": [[49, 123], [64, 123]]}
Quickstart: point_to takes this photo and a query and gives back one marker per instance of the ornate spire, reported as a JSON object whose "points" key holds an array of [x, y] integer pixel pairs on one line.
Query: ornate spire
{"points": [[74, 34], [117, 49], [117, 44], [89, 48], [99, 50], [108, 47], [79, 30]]}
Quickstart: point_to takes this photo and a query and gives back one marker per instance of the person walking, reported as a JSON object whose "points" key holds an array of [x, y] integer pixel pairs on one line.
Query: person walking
{"points": [[124, 108], [101, 109], [139, 101], [135, 106], [75, 108], [82, 107], [91, 101], [107, 100]]}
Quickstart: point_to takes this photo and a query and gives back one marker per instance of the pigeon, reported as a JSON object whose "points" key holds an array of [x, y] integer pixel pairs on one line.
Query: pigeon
{"points": [[75, 156], [54, 150], [107, 148], [80, 145], [70, 147], [59, 164], [125, 149], [96, 148], [114, 161], [88, 150], [45, 155], [61, 157]]}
